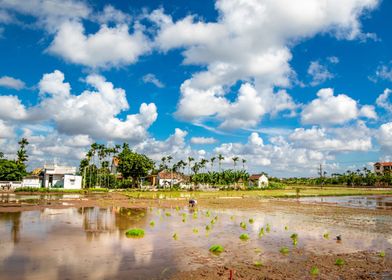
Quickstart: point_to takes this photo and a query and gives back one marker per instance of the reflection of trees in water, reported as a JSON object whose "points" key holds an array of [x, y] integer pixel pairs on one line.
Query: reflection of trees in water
{"points": [[97, 220], [14, 218]]}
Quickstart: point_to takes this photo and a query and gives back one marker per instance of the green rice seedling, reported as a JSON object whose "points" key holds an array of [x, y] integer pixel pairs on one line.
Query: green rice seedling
{"points": [[232, 218], [142, 214], [251, 221], [216, 249], [175, 236], [294, 237], [243, 225], [284, 250], [194, 216], [208, 227], [381, 254], [258, 250], [195, 230], [213, 221], [244, 236], [326, 235], [183, 220], [177, 208], [339, 262], [208, 213], [258, 264], [261, 232], [314, 271], [286, 228], [135, 233], [168, 214], [267, 228], [152, 223]]}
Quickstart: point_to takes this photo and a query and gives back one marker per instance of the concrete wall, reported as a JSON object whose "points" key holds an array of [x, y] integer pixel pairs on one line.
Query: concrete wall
{"points": [[31, 182]]}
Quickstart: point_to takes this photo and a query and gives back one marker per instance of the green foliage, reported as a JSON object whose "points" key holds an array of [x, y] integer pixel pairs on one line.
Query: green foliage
{"points": [[195, 230], [168, 214], [221, 179], [275, 186], [286, 228], [208, 227], [251, 221], [314, 271], [216, 249], [135, 233], [294, 237], [152, 223], [267, 228], [243, 225], [284, 250], [261, 232], [339, 262], [244, 236], [382, 254], [326, 235], [11, 170], [175, 236], [134, 165]]}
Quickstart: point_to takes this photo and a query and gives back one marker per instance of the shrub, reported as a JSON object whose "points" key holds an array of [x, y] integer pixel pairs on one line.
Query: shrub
{"points": [[135, 233], [216, 249]]}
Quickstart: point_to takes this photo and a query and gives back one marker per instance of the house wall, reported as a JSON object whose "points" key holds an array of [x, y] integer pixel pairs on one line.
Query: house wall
{"points": [[72, 182], [167, 182], [56, 183]]}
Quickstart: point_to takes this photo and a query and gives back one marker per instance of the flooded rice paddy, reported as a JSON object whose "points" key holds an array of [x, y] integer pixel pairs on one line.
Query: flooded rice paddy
{"points": [[90, 242]]}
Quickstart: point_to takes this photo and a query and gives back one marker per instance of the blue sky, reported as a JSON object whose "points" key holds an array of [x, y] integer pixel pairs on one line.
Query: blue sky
{"points": [[286, 85]]}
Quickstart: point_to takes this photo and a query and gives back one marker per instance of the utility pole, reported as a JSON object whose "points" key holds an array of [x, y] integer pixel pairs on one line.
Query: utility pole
{"points": [[320, 171]]}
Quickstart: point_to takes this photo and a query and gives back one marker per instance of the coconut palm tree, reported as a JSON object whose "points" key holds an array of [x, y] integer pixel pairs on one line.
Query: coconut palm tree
{"points": [[235, 159], [243, 163], [220, 158], [212, 162], [190, 159]]}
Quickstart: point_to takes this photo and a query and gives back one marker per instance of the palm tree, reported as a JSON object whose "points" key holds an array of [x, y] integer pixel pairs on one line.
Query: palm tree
{"points": [[220, 158], [21, 153], [235, 159], [212, 162], [203, 163], [243, 163], [169, 158]]}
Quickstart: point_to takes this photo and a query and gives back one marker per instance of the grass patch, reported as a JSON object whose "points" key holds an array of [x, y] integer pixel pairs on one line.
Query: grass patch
{"points": [[284, 250], [339, 262], [216, 249], [244, 237], [314, 271], [135, 233]]}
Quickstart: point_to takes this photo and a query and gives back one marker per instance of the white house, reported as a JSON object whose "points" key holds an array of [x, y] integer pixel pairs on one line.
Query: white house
{"points": [[166, 178], [55, 176], [260, 179]]}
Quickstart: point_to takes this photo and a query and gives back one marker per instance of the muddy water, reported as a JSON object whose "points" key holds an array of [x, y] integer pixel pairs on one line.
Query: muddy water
{"points": [[368, 202], [90, 242]]}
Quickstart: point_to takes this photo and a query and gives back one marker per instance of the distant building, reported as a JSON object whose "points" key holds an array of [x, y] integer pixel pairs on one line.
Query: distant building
{"points": [[166, 178], [259, 180], [55, 176], [382, 167]]}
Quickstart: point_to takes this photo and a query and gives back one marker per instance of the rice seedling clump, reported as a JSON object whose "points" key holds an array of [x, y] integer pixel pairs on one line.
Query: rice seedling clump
{"points": [[244, 236], [216, 249], [135, 233]]}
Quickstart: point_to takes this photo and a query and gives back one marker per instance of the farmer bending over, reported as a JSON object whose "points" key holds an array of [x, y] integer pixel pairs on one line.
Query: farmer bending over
{"points": [[192, 202]]}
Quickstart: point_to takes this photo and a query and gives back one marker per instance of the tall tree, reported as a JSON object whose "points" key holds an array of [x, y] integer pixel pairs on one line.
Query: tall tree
{"points": [[212, 163], [220, 158], [235, 159], [190, 159], [243, 163], [22, 156], [134, 165]]}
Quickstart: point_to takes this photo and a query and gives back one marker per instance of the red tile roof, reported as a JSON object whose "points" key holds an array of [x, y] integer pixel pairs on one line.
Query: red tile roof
{"points": [[169, 175], [384, 163]]}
